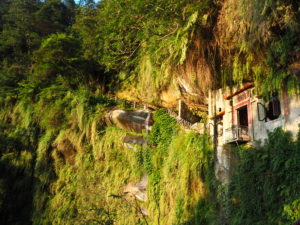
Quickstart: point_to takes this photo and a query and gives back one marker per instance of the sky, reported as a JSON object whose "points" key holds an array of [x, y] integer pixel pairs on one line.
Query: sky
{"points": [[94, 0]]}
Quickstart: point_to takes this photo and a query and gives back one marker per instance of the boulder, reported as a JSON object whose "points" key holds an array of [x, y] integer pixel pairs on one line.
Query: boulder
{"points": [[131, 120], [131, 141], [135, 140], [138, 190]]}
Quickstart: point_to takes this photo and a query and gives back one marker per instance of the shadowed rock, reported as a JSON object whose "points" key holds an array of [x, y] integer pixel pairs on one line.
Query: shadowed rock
{"points": [[135, 121]]}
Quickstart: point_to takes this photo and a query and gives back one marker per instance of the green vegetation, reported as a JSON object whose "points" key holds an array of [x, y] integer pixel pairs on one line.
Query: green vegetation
{"points": [[149, 44], [77, 165], [181, 174], [32, 134], [61, 66], [260, 40], [178, 185], [264, 188]]}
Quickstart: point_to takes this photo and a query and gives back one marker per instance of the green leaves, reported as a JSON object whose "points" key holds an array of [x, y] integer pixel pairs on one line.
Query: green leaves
{"points": [[60, 54], [164, 129], [265, 31], [160, 30], [266, 182]]}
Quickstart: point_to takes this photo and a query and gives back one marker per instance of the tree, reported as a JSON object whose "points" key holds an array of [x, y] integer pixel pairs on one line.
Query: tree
{"points": [[58, 54], [53, 16], [18, 37]]}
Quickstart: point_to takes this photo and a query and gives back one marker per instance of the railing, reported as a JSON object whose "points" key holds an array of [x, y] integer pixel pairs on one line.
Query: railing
{"points": [[182, 122], [237, 133], [186, 124]]}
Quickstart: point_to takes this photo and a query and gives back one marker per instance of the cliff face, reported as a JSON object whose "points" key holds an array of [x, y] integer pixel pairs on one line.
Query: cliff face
{"points": [[99, 168], [73, 151], [98, 163], [188, 82], [217, 44]]}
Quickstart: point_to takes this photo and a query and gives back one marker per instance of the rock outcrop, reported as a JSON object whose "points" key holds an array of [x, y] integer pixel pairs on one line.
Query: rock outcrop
{"points": [[138, 190], [131, 141], [130, 120]]}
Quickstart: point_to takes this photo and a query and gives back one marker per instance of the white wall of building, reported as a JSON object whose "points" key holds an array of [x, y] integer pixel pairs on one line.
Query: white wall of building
{"points": [[289, 119]]}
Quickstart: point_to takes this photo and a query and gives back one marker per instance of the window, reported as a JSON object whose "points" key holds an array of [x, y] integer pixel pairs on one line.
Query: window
{"points": [[271, 110], [274, 110]]}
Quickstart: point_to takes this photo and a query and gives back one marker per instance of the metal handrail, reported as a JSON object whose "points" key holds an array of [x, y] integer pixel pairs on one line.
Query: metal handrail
{"points": [[236, 133], [180, 121]]}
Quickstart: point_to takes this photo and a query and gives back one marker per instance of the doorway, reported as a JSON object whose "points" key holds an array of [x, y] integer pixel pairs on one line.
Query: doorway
{"points": [[242, 116]]}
